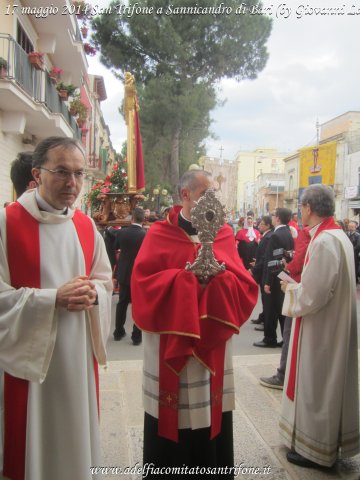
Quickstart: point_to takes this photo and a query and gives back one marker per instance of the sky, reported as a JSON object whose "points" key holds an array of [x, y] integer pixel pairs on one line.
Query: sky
{"points": [[312, 75]]}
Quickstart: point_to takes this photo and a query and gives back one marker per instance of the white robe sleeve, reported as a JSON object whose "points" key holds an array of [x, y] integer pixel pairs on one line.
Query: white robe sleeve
{"points": [[318, 279], [100, 315], [27, 327]]}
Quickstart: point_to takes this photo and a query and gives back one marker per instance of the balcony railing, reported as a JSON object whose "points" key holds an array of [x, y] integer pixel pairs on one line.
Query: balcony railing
{"points": [[56, 105], [19, 67], [36, 83]]}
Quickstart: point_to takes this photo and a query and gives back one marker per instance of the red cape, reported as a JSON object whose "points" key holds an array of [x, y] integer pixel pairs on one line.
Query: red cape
{"points": [[167, 299], [241, 235]]}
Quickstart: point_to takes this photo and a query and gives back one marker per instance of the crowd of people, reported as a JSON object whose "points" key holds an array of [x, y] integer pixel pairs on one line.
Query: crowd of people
{"points": [[315, 304], [55, 317]]}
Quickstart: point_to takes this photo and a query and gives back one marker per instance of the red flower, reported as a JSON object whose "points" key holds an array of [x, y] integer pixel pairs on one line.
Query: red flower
{"points": [[105, 190], [107, 184], [89, 49], [116, 166], [124, 174]]}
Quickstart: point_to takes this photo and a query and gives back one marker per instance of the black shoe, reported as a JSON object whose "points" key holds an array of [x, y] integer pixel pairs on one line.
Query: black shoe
{"points": [[136, 342], [297, 459], [280, 344], [257, 321], [259, 328], [265, 344], [118, 337]]}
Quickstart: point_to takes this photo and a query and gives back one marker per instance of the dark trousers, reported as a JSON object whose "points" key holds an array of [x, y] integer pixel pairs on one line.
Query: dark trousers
{"points": [[194, 449], [263, 301], [285, 348], [356, 269], [272, 304], [121, 309]]}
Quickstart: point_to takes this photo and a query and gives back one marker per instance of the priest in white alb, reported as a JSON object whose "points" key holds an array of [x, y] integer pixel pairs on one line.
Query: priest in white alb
{"points": [[320, 407], [55, 303]]}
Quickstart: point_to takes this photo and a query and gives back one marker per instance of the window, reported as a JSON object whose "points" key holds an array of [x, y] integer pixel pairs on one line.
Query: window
{"points": [[291, 183], [23, 40]]}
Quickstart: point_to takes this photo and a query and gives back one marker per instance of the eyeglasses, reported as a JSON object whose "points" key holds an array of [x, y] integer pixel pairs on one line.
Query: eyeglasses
{"points": [[63, 174]]}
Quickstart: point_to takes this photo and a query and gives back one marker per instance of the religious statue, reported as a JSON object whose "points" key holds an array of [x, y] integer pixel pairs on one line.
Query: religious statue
{"points": [[121, 207], [104, 212], [220, 179]]}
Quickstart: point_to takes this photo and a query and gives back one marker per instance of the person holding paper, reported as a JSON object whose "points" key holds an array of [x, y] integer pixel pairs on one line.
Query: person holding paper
{"points": [[294, 269], [320, 406]]}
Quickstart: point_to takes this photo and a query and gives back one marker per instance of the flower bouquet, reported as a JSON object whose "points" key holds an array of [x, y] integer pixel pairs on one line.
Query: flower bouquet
{"points": [[116, 182]]}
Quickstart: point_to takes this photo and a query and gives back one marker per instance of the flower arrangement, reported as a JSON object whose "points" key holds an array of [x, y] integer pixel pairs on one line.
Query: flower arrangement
{"points": [[36, 59], [116, 182], [89, 49], [3, 63], [55, 74], [38, 55]]}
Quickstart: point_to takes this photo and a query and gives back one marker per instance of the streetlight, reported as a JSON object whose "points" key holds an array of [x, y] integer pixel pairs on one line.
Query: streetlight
{"points": [[256, 161], [158, 192], [277, 185]]}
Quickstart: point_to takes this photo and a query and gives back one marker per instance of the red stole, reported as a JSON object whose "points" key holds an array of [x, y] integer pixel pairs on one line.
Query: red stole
{"points": [[328, 224], [191, 321], [23, 252]]}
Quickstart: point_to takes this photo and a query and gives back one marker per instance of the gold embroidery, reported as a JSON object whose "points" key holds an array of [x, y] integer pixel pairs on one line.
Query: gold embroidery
{"points": [[220, 320], [168, 399]]}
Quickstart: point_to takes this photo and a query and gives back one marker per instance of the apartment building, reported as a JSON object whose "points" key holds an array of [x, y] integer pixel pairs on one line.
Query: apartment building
{"points": [[38, 56]]}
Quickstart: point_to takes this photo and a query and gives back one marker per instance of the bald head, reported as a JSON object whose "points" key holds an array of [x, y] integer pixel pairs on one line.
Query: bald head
{"points": [[193, 184]]}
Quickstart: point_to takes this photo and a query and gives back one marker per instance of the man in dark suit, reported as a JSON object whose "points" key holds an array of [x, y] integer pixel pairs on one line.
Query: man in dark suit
{"points": [[274, 297], [257, 270], [129, 241]]}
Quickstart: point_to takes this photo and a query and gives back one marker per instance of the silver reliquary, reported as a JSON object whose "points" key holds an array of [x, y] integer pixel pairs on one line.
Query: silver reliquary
{"points": [[208, 216]]}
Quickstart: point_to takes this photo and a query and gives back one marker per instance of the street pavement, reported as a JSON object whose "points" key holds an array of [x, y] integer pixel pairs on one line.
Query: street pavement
{"points": [[259, 452]]}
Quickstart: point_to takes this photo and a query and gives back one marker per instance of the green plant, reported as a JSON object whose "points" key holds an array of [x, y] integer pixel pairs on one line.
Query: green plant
{"points": [[70, 88], [82, 112], [3, 63], [78, 108]]}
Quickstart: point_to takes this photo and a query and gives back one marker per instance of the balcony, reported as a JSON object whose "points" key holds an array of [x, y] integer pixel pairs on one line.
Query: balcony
{"points": [[59, 36], [28, 99]]}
